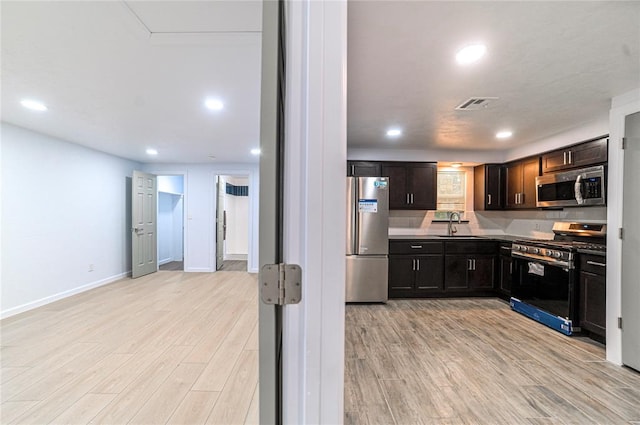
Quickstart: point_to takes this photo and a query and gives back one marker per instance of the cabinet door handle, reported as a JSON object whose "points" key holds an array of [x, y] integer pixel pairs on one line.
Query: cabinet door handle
{"points": [[468, 264], [408, 199], [595, 263], [489, 199], [413, 264], [564, 158], [411, 198], [418, 264], [570, 157], [416, 246], [510, 268], [353, 169]]}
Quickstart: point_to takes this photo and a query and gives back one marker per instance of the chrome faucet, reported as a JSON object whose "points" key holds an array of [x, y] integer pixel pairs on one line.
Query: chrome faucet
{"points": [[452, 229]]}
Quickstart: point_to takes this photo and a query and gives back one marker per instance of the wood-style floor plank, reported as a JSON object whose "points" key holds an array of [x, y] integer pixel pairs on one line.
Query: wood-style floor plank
{"points": [[131, 352], [475, 361]]}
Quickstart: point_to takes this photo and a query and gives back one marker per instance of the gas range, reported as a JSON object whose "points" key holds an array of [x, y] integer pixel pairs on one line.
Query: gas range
{"points": [[545, 284], [561, 251]]}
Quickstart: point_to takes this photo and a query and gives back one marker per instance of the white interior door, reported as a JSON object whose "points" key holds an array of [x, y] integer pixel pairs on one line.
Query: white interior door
{"points": [[631, 245], [144, 212], [220, 222]]}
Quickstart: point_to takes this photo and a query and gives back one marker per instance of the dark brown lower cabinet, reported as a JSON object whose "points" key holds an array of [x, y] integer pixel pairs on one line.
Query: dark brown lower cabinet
{"points": [[593, 296], [433, 268], [415, 268], [469, 272], [505, 270], [414, 276], [470, 266]]}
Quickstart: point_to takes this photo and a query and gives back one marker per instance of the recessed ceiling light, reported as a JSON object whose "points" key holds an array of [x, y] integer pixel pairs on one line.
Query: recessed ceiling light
{"points": [[456, 164], [214, 104], [34, 105], [211, 156], [470, 54], [394, 132], [504, 134], [152, 151], [255, 151]]}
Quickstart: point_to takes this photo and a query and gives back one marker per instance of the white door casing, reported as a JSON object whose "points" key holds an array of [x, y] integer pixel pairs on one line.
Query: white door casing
{"points": [[315, 210], [144, 211], [220, 222], [630, 289]]}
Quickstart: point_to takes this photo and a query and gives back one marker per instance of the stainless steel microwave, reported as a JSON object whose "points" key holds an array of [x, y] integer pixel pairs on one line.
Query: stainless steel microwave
{"points": [[575, 188]]}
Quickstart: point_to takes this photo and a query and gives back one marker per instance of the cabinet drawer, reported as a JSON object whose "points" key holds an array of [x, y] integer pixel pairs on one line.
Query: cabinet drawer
{"points": [[415, 247], [471, 247], [593, 264]]}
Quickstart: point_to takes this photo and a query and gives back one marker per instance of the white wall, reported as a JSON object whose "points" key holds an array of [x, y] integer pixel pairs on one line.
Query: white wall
{"points": [[529, 223], [170, 222], [621, 106], [170, 218], [565, 138], [171, 184], [426, 155], [64, 208], [200, 208]]}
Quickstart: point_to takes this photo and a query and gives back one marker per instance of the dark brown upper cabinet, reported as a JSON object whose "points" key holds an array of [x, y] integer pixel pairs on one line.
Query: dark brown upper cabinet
{"points": [[586, 154], [488, 187], [363, 168], [412, 185], [520, 186]]}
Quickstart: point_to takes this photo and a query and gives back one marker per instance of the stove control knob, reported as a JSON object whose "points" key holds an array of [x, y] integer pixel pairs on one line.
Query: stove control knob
{"points": [[523, 248], [535, 250], [549, 253], [557, 254]]}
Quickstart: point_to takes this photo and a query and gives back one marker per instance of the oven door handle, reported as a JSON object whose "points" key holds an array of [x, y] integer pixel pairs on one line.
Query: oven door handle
{"points": [[537, 259]]}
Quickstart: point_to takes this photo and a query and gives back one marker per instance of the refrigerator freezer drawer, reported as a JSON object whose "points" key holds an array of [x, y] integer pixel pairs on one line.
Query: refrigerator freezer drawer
{"points": [[367, 278]]}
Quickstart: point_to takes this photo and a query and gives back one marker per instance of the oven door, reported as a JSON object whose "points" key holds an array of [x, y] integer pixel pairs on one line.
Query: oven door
{"points": [[546, 287]]}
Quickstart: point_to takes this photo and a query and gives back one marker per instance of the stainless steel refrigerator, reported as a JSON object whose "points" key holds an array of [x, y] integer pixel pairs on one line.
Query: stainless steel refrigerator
{"points": [[367, 239]]}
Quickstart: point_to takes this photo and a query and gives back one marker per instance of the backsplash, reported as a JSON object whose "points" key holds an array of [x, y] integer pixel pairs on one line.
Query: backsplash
{"points": [[529, 223]]}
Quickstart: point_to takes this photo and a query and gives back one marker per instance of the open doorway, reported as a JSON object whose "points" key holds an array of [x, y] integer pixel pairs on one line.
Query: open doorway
{"points": [[232, 222], [171, 223]]}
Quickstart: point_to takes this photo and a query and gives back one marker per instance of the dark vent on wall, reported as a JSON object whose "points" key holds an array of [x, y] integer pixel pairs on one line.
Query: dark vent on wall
{"points": [[475, 103], [237, 190]]}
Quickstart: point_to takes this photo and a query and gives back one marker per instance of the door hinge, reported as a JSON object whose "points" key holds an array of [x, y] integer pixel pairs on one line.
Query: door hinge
{"points": [[281, 284], [621, 233], [619, 322], [624, 143]]}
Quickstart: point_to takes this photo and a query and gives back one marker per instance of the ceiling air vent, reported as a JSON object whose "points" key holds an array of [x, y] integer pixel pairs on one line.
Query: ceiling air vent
{"points": [[475, 103]]}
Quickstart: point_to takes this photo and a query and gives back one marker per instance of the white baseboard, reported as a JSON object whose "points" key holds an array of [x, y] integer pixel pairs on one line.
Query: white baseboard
{"points": [[198, 270], [241, 257], [165, 261], [60, 295]]}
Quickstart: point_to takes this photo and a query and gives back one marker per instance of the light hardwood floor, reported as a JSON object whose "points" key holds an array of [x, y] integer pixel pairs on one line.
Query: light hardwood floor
{"points": [[171, 347], [474, 361]]}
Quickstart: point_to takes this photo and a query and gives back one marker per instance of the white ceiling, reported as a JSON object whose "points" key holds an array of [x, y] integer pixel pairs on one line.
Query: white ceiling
{"points": [[554, 66], [124, 76], [120, 77]]}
